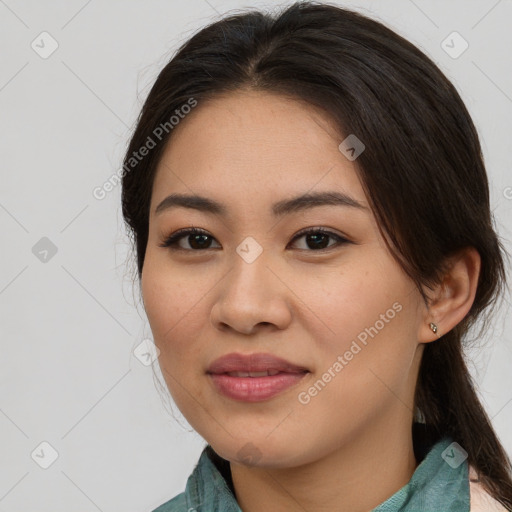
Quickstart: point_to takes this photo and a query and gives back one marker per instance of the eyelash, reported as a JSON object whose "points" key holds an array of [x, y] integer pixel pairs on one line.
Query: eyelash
{"points": [[172, 240]]}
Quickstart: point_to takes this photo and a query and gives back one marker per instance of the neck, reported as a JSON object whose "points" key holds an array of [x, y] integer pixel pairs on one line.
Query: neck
{"points": [[356, 477]]}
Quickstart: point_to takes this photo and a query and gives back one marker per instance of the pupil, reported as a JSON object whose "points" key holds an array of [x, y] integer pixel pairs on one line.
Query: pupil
{"points": [[315, 237], [195, 239]]}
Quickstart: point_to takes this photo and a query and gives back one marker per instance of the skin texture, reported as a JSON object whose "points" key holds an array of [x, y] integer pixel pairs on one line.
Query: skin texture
{"points": [[248, 150]]}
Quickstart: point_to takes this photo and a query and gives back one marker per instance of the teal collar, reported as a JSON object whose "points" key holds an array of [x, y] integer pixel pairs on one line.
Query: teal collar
{"points": [[439, 483]]}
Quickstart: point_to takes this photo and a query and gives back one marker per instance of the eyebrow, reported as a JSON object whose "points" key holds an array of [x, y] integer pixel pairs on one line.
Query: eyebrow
{"points": [[284, 207]]}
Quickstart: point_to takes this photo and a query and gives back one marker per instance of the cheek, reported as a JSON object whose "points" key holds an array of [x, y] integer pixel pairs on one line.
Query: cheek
{"points": [[365, 369], [371, 315], [352, 300], [174, 308]]}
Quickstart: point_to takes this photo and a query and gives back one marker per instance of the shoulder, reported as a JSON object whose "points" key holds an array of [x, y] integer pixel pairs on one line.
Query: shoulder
{"points": [[176, 504], [480, 499]]}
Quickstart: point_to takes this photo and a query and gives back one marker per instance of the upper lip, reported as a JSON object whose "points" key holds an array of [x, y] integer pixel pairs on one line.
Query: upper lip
{"points": [[253, 363]]}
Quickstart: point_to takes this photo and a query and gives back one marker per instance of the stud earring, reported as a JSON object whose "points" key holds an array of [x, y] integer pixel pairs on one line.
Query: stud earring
{"points": [[433, 327]]}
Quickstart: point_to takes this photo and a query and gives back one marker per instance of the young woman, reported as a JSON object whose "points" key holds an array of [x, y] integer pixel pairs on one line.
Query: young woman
{"points": [[310, 214]]}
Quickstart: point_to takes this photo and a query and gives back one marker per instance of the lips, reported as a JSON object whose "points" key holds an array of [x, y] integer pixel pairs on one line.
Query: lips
{"points": [[254, 377], [253, 365]]}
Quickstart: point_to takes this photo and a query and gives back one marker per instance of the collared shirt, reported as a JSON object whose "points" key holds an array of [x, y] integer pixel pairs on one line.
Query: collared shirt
{"points": [[440, 483]]}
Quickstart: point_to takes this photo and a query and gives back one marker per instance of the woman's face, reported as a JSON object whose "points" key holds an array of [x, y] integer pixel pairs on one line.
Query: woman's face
{"points": [[342, 310]]}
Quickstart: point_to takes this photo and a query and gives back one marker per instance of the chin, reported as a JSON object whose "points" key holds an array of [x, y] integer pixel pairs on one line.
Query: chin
{"points": [[258, 453]]}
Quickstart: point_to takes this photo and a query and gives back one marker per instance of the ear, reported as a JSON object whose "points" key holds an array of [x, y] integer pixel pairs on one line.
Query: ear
{"points": [[451, 300]]}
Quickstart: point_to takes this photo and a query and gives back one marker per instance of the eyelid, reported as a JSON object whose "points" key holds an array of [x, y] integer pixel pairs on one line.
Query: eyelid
{"points": [[319, 229]]}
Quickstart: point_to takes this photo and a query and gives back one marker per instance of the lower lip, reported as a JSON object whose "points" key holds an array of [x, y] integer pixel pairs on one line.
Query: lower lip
{"points": [[254, 389]]}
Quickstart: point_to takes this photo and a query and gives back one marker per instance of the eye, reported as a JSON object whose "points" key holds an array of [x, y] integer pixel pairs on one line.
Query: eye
{"points": [[199, 240], [317, 238]]}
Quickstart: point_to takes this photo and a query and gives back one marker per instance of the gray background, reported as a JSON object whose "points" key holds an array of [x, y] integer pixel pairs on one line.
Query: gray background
{"points": [[69, 325]]}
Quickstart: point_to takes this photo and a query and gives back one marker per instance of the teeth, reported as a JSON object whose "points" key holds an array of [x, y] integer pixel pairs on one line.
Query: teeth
{"points": [[254, 374]]}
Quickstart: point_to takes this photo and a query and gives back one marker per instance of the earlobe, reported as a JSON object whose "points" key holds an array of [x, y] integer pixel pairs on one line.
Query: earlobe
{"points": [[453, 297]]}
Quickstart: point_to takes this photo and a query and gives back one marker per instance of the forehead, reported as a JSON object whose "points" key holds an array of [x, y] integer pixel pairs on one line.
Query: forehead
{"points": [[257, 144]]}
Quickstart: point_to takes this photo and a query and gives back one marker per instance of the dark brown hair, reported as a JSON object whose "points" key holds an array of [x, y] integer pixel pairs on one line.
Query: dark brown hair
{"points": [[422, 169]]}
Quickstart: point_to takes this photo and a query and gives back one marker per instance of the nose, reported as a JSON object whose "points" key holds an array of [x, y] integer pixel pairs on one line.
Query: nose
{"points": [[252, 297]]}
